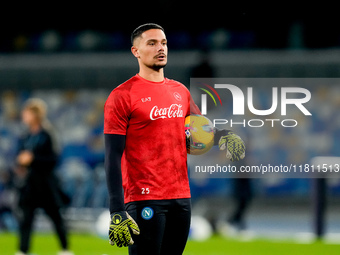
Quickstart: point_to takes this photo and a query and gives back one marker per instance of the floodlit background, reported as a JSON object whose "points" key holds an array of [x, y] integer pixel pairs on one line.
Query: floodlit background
{"points": [[72, 57]]}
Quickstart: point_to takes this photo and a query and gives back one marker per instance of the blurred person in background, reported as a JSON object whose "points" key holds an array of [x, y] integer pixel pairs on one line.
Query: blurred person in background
{"points": [[242, 195], [38, 186], [204, 69], [241, 189]]}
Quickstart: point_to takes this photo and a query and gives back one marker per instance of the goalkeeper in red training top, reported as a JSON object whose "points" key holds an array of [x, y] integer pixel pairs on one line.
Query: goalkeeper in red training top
{"points": [[146, 153]]}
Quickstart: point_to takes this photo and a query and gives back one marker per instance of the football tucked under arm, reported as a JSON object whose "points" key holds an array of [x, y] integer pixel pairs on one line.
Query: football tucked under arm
{"points": [[227, 139]]}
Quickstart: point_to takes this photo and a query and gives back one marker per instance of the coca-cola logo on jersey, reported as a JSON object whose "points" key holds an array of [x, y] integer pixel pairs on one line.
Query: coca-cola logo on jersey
{"points": [[174, 111]]}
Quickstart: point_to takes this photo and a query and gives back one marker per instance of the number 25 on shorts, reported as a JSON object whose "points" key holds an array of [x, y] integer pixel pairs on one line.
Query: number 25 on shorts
{"points": [[145, 191]]}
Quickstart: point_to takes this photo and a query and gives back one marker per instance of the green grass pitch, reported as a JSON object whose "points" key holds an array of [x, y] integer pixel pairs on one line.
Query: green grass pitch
{"points": [[46, 244]]}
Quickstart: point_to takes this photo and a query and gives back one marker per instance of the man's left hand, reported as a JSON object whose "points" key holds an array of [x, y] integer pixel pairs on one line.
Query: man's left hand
{"points": [[234, 145]]}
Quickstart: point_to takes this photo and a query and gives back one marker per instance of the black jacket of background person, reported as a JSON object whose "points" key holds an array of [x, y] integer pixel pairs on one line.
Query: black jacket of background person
{"points": [[41, 187]]}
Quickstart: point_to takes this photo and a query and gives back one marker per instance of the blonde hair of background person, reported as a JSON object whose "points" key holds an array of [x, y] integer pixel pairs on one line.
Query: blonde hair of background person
{"points": [[39, 108]]}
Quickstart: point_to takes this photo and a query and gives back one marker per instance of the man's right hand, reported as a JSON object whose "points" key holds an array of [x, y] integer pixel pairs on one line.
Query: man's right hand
{"points": [[120, 226]]}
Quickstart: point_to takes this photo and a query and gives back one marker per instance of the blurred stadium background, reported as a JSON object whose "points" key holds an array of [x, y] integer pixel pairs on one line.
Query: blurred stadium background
{"points": [[74, 60]]}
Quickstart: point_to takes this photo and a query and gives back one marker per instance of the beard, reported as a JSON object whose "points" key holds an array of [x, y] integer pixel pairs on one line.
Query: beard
{"points": [[157, 66]]}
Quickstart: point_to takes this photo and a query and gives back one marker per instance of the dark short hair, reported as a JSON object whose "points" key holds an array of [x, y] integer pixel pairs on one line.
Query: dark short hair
{"points": [[142, 28]]}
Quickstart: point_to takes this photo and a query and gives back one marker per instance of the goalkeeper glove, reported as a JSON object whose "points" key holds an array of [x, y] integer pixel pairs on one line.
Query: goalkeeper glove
{"points": [[120, 226], [234, 145]]}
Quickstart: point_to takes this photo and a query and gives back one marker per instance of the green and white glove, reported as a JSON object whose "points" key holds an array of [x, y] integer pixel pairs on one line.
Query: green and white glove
{"points": [[234, 145], [120, 226]]}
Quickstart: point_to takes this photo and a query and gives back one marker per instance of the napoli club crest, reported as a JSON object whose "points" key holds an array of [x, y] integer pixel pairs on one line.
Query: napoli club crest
{"points": [[147, 213]]}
